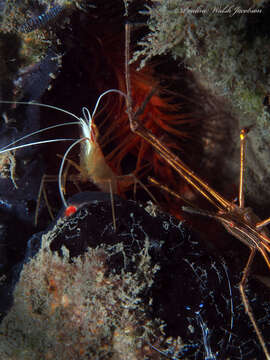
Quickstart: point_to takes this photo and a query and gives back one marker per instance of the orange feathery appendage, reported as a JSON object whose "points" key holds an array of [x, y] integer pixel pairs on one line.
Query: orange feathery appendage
{"points": [[163, 114]]}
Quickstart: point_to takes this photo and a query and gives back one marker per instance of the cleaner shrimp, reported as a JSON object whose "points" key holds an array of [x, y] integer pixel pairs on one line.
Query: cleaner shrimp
{"points": [[92, 166]]}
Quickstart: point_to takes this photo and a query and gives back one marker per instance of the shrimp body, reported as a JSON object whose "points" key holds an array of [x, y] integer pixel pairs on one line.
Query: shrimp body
{"points": [[93, 166], [92, 162]]}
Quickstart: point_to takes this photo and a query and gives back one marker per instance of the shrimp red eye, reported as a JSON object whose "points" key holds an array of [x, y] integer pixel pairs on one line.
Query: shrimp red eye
{"points": [[71, 209]]}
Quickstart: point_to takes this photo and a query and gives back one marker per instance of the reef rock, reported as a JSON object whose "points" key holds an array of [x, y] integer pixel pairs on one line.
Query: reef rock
{"points": [[87, 291]]}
